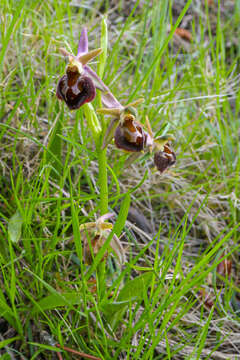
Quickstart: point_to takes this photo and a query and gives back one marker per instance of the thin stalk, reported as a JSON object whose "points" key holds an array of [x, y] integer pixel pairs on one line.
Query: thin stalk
{"points": [[102, 154], [103, 184], [102, 160]]}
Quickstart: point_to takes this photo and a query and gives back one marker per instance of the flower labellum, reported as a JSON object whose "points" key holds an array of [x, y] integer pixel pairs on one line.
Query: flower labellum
{"points": [[165, 158], [130, 135], [75, 89]]}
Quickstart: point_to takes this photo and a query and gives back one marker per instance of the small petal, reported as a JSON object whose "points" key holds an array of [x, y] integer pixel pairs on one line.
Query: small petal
{"points": [[109, 111], [85, 58], [104, 218], [135, 103], [59, 91], [164, 159], [64, 52], [83, 42], [160, 141]]}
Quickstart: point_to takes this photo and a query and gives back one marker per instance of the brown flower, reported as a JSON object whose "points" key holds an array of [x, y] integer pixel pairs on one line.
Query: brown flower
{"points": [[165, 158], [130, 135], [94, 235], [75, 89], [78, 85]]}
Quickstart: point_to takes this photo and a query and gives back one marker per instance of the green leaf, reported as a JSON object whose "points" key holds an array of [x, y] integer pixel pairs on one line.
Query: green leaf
{"points": [[8, 341], [132, 291], [104, 45], [55, 145], [15, 227], [46, 347], [92, 121], [122, 216], [15, 22], [54, 300]]}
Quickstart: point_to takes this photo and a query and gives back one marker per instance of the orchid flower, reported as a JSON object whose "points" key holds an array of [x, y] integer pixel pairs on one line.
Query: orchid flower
{"points": [[96, 233], [127, 132], [129, 135], [164, 157], [78, 85]]}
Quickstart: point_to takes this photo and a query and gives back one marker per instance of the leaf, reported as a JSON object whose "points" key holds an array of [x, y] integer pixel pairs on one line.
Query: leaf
{"points": [[46, 347], [15, 22], [92, 121], [6, 342], [54, 300], [104, 44], [122, 216], [55, 145], [132, 291], [15, 227]]}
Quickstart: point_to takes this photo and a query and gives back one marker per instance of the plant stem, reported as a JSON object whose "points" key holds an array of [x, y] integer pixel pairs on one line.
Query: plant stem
{"points": [[103, 184], [102, 154]]}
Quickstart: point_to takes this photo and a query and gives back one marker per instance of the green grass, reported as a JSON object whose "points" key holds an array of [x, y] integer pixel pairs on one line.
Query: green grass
{"points": [[149, 308]]}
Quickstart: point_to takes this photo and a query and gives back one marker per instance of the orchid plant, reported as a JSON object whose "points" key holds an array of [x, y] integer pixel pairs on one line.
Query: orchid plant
{"points": [[78, 87]]}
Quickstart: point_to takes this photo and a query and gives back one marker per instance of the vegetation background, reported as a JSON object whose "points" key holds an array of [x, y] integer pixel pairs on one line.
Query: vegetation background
{"points": [[178, 295]]}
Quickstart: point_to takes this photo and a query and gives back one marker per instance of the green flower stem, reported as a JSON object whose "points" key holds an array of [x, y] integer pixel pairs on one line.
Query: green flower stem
{"points": [[102, 154], [103, 183], [96, 130], [97, 133], [102, 159], [103, 187], [103, 205]]}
